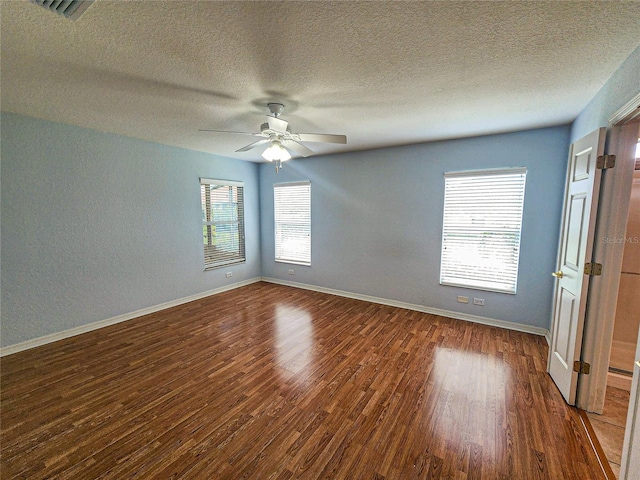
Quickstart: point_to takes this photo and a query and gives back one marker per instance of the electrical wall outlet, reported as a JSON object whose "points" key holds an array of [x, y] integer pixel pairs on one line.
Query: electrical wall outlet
{"points": [[478, 301], [463, 299], [228, 274], [292, 271]]}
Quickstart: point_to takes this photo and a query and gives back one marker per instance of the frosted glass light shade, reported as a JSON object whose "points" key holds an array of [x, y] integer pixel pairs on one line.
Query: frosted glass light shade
{"points": [[276, 151]]}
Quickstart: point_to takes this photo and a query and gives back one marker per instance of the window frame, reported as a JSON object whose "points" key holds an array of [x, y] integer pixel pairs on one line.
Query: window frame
{"points": [[238, 256], [284, 258], [486, 275]]}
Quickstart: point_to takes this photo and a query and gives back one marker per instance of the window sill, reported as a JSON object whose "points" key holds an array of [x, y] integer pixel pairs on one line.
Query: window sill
{"points": [[293, 262]]}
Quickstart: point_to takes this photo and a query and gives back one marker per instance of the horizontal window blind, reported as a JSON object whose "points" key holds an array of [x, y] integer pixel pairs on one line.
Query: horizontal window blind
{"points": [[292, 211], [222, 222], [481, 229]]}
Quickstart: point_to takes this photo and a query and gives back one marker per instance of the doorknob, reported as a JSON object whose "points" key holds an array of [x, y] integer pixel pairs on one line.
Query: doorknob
{"points": [[558, 274]]}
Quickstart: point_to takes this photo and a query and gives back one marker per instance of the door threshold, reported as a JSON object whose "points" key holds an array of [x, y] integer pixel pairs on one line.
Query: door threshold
{"points": [[595, 445], [620, 371]]}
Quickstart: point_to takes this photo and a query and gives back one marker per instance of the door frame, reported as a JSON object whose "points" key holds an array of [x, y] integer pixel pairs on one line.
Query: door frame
{"points": [[613, 211]]}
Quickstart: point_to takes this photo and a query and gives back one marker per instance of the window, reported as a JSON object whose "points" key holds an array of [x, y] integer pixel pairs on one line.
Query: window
{"points": [[292, 211], [222, 222], [481, 229]]}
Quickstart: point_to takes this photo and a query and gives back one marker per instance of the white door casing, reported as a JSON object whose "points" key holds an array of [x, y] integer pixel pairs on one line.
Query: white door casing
{"points": [[630, 466], [576, 245]]}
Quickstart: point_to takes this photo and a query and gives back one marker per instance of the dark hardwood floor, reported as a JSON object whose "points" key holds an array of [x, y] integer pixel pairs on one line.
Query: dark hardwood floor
{"points": [[272, 382]]}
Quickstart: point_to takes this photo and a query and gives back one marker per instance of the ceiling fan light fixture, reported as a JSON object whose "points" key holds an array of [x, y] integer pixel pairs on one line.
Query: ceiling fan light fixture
{"points": [[276, 151], [276, 133]]}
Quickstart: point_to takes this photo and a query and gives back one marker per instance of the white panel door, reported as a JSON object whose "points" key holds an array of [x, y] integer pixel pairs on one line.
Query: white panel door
{"points": [[576, 245]]}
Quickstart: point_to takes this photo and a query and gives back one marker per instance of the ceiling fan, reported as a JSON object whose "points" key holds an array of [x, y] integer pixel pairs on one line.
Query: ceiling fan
{"points": [[278, 136]]}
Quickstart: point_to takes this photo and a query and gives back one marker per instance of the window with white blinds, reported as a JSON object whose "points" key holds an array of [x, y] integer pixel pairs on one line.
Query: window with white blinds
{"points": [[292, 211], [222, 222], [481, 229]]}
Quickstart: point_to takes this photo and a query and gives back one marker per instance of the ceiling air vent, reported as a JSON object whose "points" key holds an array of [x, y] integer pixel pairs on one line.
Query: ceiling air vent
{"points": [[72, 9]]}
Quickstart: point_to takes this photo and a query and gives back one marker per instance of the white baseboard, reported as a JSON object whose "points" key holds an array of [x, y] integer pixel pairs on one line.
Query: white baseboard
{"points": [[419, 308], [54, 337]]}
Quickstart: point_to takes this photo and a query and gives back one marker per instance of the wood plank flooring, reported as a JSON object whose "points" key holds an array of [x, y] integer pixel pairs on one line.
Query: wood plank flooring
{"points": [[272, 382], [609, 427]]}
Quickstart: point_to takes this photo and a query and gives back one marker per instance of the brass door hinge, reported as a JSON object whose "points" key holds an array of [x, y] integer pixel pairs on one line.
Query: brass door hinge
{"points": [[592, 268], [605, 161], [582, 367]]}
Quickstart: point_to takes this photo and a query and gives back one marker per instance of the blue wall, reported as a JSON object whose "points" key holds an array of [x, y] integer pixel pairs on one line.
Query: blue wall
{"points": [[377, 221], [619, 89], [96, 225]]}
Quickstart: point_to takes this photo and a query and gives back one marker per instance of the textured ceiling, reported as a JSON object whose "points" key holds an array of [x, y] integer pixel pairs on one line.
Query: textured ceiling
{"points": [[382, 73]]}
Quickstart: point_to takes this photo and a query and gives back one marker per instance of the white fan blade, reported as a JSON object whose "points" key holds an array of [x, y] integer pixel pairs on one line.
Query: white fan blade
{"points": [[236, 133], [277, 125], [322, 138], [297, 148], [253, 145]]}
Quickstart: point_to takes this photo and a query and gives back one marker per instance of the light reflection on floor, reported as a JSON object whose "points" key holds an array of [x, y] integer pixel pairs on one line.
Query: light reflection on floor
{"points": [[470, 378], [294, 338]]}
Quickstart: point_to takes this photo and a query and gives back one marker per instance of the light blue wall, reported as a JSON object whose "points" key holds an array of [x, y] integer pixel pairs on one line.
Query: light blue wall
{"points": [[623, 85], [95, 225], [377, 221]]}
